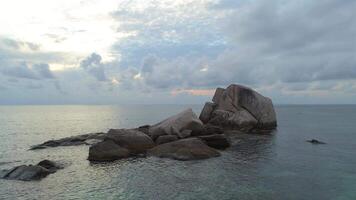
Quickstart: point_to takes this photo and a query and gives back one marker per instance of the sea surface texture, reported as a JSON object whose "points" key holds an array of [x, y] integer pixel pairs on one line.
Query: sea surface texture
{"points": [[279, 166]]}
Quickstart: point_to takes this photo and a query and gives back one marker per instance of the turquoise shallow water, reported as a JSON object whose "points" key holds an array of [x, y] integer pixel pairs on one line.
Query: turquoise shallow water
{"points": [[280, 166]]}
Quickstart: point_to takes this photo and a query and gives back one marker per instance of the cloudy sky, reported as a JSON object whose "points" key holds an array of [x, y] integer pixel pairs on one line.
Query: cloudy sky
{"points": [[176, 51]]}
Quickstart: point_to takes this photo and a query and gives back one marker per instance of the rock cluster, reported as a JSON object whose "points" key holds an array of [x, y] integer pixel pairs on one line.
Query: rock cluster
{"points": [[183, 136], [32, 172], [170, 138], [239, 107]]}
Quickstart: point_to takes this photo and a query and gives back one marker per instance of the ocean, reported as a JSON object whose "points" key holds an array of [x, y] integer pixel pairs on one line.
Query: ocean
{"points": [[277, 166]]}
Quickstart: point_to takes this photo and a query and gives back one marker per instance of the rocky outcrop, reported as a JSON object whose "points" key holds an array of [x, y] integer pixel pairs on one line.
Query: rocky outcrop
{"points": [[32, 172], [181, 125], [133, 140], [184, 149], [218, 141], [239, 107], [107, 150], [85, 139]]}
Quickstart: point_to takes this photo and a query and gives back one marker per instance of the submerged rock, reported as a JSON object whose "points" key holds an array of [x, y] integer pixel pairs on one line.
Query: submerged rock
{"points": [[239, 107], [133, 140], [50, 165], [84, 139], [218, 141], [176, 125], [107, 151], [32, 172], [185, 149], [314, 141]]}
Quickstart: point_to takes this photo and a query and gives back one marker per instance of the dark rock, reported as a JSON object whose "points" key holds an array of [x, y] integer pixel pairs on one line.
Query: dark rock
{"points": [[208, 129], [107, 150], [314, 141], [218, 141], [166, 138], [184, 134], [27, 173], [133, 140], [144, 129], [50, 165], [207, 111], [174, 125], [70, 141], [32, 172], [185, 149]]}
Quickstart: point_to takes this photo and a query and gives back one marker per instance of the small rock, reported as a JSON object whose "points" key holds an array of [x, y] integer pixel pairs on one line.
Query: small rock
{"points": [[184, 134], [208, 129], [314, 141], [166, 138], [218, 141], [50, 165]]}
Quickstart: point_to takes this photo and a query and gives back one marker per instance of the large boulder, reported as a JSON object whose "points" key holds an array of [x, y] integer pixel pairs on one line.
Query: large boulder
{"points": [[218, 141], [181, 124], [133, 140], [107, 150], [185, 149], [239, 107], [32, 172]]}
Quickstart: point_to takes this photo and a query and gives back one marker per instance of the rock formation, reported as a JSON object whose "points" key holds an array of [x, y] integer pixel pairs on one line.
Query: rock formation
{"points": [[239, 107], [183, 136], [32, 172]]}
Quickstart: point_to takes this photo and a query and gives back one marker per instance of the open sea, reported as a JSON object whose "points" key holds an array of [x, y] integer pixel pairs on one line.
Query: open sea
{"points": [[280, 166]]}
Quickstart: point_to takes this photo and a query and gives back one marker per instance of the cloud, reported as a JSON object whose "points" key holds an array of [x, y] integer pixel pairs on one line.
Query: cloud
{"points": [[23, 70], [43, 71], [93, 65], [266, 42]]}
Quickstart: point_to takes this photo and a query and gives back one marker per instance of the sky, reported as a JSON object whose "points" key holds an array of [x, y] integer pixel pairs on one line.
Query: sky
{"points": [[176, 51]]}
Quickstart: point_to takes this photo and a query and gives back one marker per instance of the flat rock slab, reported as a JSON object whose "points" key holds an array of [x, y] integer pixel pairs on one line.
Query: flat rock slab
{"points": [[185, 149], [85, 139]]}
